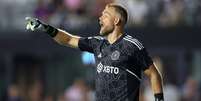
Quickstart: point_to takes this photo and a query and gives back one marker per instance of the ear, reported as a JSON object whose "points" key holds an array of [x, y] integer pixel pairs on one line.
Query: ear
{"points": [[117, 21]]}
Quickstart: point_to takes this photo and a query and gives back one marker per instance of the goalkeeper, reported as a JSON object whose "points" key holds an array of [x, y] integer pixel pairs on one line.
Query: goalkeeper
{"points": [[120, 58]]}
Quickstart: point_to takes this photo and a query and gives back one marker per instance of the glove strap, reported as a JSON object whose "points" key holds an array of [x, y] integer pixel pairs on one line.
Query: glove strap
{"points": [[159, 97], [52, 31]]}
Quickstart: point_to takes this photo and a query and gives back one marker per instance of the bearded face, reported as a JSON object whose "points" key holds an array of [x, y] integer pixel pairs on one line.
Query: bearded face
{"points": [[107, 22]]}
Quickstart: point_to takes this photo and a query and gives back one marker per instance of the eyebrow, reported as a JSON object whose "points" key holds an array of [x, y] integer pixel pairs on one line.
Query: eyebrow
{"points": [[106, 12]]}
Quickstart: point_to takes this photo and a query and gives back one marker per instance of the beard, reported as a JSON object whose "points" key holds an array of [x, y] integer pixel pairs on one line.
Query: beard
{"points": [[104, 31]]}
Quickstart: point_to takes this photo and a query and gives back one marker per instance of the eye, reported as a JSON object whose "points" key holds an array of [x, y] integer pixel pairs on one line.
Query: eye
{"points": [[105, 15]]}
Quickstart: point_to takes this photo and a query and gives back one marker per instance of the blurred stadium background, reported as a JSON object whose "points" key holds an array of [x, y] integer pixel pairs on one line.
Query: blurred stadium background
{"points": [[35, 68]]}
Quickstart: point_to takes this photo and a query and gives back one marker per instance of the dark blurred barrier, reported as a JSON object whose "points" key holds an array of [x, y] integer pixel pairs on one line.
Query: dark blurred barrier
{"points": [[182, 37]]}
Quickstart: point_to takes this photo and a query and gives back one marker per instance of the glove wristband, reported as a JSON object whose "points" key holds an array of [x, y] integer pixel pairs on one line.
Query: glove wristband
{"points": [[52, 31], [159, 97]]}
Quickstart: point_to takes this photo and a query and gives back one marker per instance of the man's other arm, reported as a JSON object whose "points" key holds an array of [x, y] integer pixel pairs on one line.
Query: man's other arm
{"points": [[156, 81]]}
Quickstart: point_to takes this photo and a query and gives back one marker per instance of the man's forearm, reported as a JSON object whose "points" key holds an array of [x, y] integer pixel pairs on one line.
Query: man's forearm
{"points": [[157, 86], [65, 38], [156, 83]]}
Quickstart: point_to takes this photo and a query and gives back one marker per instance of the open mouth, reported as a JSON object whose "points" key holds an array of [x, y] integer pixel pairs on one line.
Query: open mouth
{"points": [[101, 24]]}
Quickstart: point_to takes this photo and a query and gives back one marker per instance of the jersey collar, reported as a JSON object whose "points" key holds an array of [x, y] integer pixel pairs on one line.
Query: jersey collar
{"points": [[118, 40]]}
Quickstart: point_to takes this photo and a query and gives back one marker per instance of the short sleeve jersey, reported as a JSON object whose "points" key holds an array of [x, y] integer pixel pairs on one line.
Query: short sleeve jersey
{"points": [[118, 66]]}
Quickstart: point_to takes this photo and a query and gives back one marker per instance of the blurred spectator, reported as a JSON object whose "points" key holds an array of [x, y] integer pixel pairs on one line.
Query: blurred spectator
{"points": [[155, 7], [77, 92], [91, 94], [172, 14], [44, 9], [57, 18], [48, 98], [61, 97], [75, 21], [35, 91], [192, 11], [191, 90], [137, 10], [74, 5], [76, 17], [14, 93], [172, 93], [13, 13], [197, 14], [98, 7]]}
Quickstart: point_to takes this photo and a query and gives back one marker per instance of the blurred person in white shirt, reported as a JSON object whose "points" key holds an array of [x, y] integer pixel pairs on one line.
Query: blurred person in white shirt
{"points": [[76, 92]]}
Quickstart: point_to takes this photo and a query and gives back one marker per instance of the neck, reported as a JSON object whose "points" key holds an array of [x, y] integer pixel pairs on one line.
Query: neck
{"points": [[116, 34]]}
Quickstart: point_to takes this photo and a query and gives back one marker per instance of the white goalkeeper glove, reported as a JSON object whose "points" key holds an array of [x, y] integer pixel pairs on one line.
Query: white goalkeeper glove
{"points": [[34, 24]]}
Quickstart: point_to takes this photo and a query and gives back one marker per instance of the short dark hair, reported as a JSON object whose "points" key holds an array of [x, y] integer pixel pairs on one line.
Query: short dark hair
{"points": [[122, 11]]}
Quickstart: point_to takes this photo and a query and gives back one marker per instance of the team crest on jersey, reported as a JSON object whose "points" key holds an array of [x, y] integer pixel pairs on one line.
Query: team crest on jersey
{"points": [[115, 55]]}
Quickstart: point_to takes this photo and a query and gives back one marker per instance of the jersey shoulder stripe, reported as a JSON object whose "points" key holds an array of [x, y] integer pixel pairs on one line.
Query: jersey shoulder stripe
{"points": [[134, 41], [96, 37]]}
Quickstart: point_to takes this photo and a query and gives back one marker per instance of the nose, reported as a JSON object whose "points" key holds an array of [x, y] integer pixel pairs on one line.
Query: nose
{"points": [[100, 18]]}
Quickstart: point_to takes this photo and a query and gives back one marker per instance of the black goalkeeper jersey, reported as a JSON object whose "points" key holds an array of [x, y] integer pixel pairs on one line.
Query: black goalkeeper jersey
{"points": [[118, 66]]}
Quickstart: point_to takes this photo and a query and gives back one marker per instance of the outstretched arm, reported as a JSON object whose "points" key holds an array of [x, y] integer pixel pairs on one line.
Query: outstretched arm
{"points": [[156, 82], [60, 36]]}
